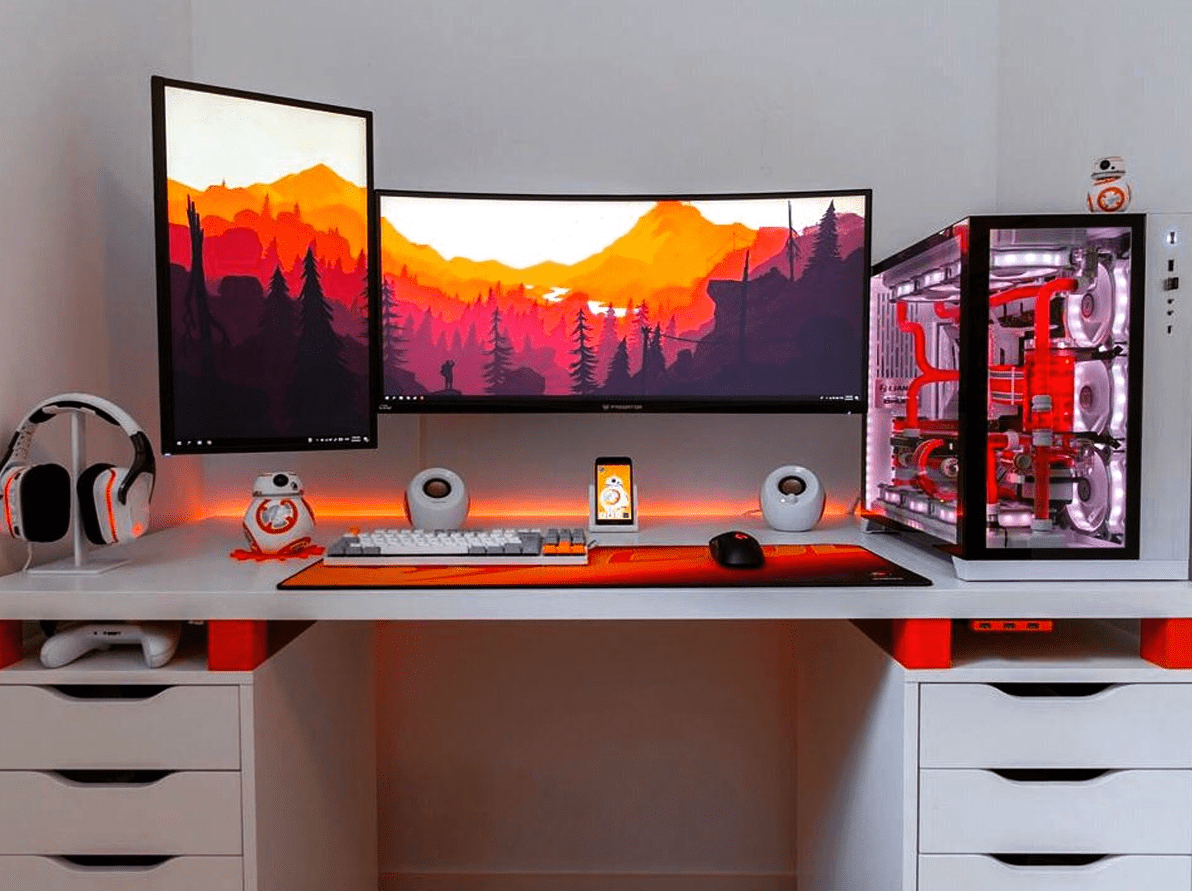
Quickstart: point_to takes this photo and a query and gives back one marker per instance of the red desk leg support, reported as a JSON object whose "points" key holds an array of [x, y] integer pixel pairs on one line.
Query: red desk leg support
{"points": [[923, 643], [1167, 642], [11, 650], [236, 644]]}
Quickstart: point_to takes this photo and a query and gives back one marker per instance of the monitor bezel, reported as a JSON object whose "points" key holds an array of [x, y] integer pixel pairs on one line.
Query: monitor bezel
{"points": [[169, 443], [487, 404]]}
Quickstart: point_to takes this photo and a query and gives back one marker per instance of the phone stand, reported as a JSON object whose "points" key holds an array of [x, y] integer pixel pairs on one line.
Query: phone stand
{"points": [[593, 526]]}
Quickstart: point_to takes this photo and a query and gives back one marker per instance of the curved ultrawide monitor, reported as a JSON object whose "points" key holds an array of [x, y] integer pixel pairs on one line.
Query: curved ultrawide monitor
{"points": [[746, 302], [264, 271]]}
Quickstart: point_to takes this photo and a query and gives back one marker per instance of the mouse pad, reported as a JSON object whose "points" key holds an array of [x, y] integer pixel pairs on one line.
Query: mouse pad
{"points": [[671, 566]]}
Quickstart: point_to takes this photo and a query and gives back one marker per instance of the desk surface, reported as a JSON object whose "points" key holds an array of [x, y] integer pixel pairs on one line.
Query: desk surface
{"points": [[186, 573]]}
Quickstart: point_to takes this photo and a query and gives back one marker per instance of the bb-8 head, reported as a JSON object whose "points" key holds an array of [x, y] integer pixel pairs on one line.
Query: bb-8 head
{"points": [[1110, 190]]}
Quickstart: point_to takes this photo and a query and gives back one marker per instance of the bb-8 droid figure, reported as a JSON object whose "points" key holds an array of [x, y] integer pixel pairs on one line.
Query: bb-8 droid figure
{"points": [[613, 496], [1110, 191], [278, 519]]}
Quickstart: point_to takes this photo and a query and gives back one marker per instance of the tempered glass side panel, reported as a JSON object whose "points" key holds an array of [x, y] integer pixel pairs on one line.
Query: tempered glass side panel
{"points": [[912, 431], [1059, 304]]}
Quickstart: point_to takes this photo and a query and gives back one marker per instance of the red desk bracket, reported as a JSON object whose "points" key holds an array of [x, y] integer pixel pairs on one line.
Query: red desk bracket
{"points": [[236, 644], [11, 650], [922, 643], [1167, 642]]}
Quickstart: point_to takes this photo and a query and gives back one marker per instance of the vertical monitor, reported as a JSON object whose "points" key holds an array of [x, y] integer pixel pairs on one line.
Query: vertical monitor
{"points": [[265, 271], [745, 302]]}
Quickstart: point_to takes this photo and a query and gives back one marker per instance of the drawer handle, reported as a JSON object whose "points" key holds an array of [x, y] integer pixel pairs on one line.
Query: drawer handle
{"points": [[1041, 691], [132, 863], [1050, 774], [121, 692], [109, 777], [1049, 859]]}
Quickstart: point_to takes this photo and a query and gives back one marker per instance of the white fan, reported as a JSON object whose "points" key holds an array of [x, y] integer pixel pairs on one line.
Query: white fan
{"points": [[1092, 396], [1088, 317], [1090, 502]]}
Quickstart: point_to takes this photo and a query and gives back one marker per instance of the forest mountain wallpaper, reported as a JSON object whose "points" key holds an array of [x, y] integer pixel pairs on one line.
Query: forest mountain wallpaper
{"points": [[268, 285], [749, 298]]}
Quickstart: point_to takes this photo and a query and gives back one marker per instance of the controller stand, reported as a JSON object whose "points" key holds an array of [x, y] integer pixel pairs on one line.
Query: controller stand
{"points": [[81, 561], [593, 526]]}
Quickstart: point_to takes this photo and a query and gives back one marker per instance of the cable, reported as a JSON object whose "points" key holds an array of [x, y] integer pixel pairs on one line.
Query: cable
{"points": [[28, 555]]}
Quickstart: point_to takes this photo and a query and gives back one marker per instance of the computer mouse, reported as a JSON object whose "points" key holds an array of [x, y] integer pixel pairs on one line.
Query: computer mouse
{"points": [[736, 550]]}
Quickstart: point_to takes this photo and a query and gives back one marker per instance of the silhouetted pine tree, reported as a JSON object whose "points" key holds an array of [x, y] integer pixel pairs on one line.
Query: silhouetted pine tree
{"points": [[618, 370], [826, 251], [496, 369], [394, 328], [639, 334], [656, 360], [583, 369], [607, 343], [670, 348], [277, 321], [321, 394]]}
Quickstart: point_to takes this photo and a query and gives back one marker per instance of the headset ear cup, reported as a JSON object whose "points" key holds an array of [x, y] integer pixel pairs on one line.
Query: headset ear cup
{"points": [[44, 494], [88, 510]]}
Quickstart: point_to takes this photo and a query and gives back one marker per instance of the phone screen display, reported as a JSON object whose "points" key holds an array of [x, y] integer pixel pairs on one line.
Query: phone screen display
{"points": [[614, 490]]}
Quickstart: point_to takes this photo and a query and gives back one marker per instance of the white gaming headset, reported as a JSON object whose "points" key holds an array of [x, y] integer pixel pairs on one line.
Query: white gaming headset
{"points": [[35, 499]]}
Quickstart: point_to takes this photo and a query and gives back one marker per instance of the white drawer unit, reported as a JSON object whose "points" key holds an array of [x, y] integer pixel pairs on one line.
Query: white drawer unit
{"points": [[1041, 762], [115, 777], [1118, 812], [958, 872], [173, 874], [175, 728], [192, 812], [1128, 725]]}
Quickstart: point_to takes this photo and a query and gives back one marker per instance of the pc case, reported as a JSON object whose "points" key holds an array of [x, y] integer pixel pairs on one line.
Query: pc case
{"points": [[1006, 415]]}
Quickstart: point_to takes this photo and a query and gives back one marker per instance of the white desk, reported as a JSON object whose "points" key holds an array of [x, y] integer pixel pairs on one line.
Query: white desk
{"points": [[858, 800], [186, 573]]}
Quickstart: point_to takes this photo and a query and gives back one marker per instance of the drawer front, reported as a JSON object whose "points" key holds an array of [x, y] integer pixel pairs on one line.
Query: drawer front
{"points": [[958, 872], [176, 874], [1124, 812], [1133, 725], [182, 813], [180, 728]]}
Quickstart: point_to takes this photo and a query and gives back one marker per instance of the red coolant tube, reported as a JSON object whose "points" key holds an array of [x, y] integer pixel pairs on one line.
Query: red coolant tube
{"points": [[928, 373], [924, 463], [1043, 454]]}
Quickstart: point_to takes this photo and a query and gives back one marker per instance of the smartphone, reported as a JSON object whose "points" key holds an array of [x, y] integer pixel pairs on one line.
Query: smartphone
{"points": [[614, 492]]}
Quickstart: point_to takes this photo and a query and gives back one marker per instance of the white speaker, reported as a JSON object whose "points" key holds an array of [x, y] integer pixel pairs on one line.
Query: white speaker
{"points": [[792, 499], [437, 499]]}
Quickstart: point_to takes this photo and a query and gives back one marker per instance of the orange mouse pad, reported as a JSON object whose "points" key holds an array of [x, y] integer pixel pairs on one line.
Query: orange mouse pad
{"points": [[678, 566]]}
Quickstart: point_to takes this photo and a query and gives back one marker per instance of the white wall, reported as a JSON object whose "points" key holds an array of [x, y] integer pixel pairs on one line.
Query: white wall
{"points": [[76, 237], [1092, 78], [634, 97]]}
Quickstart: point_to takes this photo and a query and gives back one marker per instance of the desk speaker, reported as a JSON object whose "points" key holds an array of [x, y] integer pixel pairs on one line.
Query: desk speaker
{"points": [[792, 499], [437, 499]]}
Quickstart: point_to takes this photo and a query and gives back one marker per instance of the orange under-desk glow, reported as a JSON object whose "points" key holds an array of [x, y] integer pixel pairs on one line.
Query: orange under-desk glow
{"points": [[496, 511]]}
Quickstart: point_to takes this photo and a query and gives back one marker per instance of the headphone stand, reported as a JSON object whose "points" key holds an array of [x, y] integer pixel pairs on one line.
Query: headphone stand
{"points": [[82, 561]]}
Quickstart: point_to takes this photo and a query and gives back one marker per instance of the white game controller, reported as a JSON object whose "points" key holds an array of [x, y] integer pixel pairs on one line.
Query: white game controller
{"points": [[158, 641]]}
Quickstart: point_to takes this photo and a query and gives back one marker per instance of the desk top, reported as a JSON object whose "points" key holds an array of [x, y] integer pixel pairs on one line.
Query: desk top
{"points": [[186, 573]]}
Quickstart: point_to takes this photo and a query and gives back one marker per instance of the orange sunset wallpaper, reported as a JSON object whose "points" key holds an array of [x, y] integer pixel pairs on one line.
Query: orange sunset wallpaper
{"points": [[267, 228], [672, 299]]}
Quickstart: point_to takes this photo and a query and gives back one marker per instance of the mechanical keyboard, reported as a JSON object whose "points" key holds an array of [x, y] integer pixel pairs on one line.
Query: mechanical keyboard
{"points": [[462, 547]]}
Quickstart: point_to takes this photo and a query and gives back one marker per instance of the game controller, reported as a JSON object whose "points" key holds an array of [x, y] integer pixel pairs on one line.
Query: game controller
{"points": [[158, 640]]}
